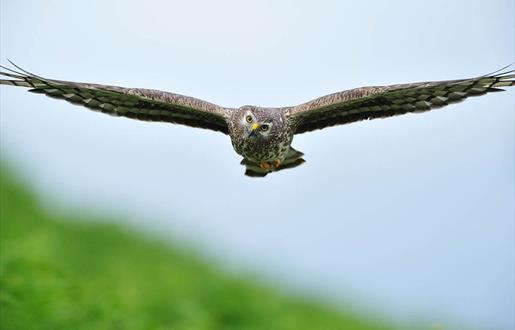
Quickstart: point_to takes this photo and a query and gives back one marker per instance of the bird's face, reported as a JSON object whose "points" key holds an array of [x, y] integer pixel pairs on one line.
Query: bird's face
{"points": [[255, 126]]}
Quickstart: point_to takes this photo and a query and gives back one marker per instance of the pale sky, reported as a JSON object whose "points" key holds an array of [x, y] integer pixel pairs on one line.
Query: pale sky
{"points": [[410, 216]]}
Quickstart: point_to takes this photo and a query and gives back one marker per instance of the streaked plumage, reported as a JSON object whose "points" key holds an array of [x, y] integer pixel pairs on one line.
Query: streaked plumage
{"points": [[263, 136]]}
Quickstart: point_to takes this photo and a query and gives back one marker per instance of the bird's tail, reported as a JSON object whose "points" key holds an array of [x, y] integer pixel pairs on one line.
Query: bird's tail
{"points": [[293, 159]]}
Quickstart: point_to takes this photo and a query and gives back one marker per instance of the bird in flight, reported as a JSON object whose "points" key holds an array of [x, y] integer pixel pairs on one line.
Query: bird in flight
{"points": [[263, 136]]}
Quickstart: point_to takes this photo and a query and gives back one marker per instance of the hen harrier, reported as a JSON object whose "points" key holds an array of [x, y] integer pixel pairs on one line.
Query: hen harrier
{"points": [[263, 136]]}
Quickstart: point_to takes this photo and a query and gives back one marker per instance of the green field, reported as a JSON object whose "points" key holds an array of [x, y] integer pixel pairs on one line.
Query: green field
{"points": [[68, 273]]}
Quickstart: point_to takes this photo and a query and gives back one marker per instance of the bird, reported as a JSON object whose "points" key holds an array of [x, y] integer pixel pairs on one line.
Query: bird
{"points": [[263, 135]]}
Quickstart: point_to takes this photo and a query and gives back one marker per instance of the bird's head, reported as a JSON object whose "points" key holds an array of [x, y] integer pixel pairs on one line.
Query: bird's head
{"points": [[257, 123]]}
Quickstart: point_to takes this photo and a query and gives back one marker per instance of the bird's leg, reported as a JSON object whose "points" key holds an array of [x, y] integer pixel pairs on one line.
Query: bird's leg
{"points": [[265, 166], [273, 165]]}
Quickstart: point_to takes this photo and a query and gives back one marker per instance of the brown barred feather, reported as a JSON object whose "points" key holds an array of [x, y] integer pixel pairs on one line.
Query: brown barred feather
{"points": [[386, 101], [137, 103], [272, 146]]}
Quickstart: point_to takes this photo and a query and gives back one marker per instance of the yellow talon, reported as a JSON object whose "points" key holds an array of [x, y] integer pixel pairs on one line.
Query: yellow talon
{"points": [[274, 165], [265, 165]]}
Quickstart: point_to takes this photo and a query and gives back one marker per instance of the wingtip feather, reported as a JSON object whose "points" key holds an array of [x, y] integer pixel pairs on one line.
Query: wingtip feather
{"points": [[10, 82]]}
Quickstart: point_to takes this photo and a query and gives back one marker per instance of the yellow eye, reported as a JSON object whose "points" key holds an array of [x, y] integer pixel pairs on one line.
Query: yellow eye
{"points": [[248, 119], [264, 128]]}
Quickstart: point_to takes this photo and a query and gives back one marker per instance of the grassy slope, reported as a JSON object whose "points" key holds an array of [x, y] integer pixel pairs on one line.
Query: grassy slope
{"points": [[73, 275]]}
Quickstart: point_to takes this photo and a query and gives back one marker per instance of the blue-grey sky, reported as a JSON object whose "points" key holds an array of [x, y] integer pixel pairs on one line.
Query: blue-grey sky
{"points": [[411, 216]]}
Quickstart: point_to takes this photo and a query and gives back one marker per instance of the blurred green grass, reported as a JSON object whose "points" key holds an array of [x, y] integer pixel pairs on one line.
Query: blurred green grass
{"points": [[60, 274]]}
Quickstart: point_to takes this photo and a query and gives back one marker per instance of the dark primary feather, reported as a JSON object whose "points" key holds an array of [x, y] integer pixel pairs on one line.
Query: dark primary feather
{"points": [[387, 101], [137, 103], [334, 109]]}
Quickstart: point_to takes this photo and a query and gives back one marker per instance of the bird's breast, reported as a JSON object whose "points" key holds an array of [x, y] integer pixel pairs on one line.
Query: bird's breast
{"points": [[262, 149]]}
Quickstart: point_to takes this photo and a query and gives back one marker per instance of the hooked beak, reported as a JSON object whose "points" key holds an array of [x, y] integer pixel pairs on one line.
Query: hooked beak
{"points": [[253, 129]]}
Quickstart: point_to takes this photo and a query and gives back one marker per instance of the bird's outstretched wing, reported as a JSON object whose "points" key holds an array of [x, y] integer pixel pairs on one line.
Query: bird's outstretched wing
{"points": [[137, 103], [387, 101]]}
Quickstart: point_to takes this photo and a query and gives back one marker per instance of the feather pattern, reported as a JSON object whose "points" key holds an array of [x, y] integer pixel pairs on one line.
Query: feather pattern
{"points": [[137, 103], [386, 101], [261, 135]]}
